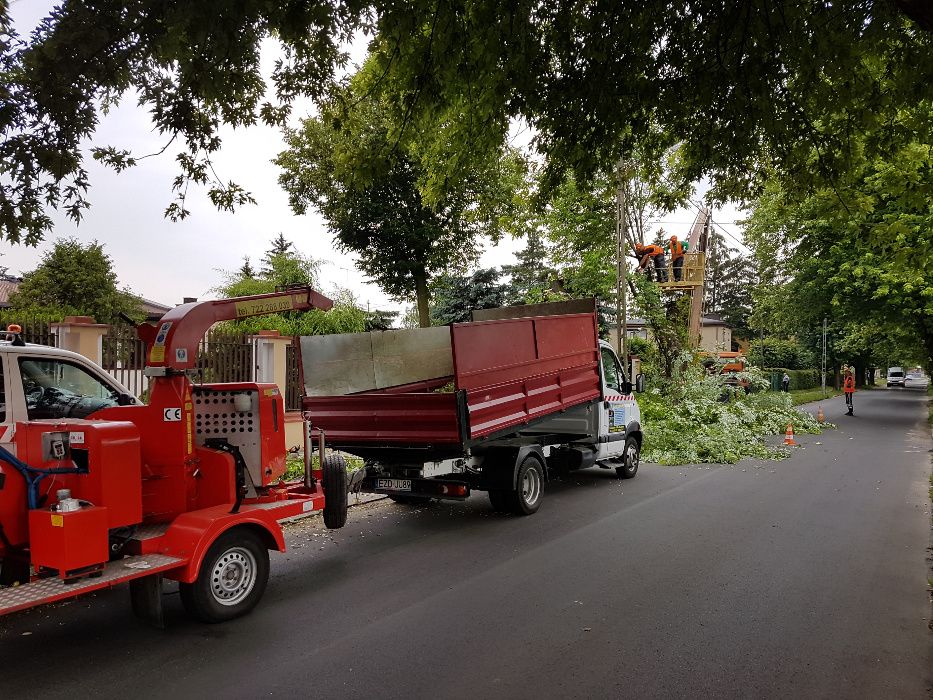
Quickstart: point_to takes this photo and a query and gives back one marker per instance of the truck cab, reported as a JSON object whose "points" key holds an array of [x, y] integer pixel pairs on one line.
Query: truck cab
{"points": [[40, 382]]}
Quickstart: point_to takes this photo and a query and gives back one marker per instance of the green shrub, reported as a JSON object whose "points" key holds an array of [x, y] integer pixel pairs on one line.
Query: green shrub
{"points": [[799, 378], [773, 352]]}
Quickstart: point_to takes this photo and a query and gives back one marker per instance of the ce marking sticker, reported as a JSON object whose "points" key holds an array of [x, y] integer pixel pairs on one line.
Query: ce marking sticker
{"points": [[171, 415]]}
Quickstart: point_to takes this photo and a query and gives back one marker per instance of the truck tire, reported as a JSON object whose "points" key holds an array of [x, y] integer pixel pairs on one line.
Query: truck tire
{"points": [[525, 498], [231, 580], [630, 458], [335, 491]]}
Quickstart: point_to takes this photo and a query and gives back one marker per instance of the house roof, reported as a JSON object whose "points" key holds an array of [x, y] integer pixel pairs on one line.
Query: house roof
{"points": [[8, 285]]}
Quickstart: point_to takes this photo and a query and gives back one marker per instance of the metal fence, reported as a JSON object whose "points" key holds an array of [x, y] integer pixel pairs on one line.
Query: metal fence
{"points": [[124, 358], [225, 356], [293, 388]]}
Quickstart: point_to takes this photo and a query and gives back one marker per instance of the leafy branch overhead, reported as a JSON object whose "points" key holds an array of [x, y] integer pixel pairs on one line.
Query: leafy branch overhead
{"points": [[742, 87]]}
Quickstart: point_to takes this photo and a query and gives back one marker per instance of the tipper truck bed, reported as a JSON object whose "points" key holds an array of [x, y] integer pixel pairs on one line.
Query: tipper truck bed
{"points": [[492, 405]]}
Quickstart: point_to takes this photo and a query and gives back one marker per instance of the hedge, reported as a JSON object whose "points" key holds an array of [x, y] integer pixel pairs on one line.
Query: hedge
{"points": [[799, 378]]}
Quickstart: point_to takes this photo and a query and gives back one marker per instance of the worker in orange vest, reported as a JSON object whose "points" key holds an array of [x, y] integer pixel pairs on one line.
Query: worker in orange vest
{"points": [[647, 253], [848, 388], [677, 257]]}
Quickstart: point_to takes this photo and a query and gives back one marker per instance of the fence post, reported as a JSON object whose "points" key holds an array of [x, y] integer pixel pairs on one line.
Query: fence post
{"points": [[81, 334], [270, 358]]}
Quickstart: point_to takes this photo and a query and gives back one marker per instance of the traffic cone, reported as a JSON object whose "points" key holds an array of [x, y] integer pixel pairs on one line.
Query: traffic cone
{"points": [[820, 418], [789, 436]]}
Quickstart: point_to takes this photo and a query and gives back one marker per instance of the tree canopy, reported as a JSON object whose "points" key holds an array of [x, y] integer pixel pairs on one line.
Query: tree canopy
{"points": [[740, 87], [400, 240], [75, 279], [860, 254]]}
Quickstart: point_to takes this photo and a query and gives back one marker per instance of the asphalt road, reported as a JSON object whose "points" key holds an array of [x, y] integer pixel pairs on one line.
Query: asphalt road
{"points": [[800, 578]]}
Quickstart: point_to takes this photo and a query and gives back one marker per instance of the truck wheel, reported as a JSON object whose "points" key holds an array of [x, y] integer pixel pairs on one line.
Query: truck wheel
{"points": [[630, 457], [335, 491], [526, 497], [231, 580], [411, 500]]}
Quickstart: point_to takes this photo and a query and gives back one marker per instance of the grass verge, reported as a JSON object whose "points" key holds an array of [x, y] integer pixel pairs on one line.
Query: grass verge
{"points": [[799, 396]]}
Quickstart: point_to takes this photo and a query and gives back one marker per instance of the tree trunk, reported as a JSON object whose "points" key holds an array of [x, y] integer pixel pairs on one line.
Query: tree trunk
{"points": [[421, 294]]}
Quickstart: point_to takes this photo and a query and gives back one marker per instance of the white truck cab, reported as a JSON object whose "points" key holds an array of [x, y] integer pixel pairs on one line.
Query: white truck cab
{"points": [[40, 382], [619, 442]]}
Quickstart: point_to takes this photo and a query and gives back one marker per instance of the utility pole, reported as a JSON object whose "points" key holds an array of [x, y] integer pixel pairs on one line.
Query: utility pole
{"points": [[823, 373], [621, 235]]}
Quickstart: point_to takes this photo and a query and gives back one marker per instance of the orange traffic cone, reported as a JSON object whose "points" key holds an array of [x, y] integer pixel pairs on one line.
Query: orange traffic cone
{"points": [[820, 417], [789, 435]]}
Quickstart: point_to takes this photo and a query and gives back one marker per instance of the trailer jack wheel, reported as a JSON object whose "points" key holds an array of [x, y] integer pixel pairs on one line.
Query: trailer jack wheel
{"points": [[231, 580], [335, 491], [525, 498]]}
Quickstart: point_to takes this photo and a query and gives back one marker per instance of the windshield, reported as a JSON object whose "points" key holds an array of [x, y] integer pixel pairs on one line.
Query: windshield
{"points": [[56, 388]]}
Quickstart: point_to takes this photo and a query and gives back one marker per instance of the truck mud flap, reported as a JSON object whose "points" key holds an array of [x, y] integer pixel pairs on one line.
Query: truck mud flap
{"points": [[429, 488]]}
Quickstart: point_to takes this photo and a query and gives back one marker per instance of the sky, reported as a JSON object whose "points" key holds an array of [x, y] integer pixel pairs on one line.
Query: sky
{"points": [[164, 261]]}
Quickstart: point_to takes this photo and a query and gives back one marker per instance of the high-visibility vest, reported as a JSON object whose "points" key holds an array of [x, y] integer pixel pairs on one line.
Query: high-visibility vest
{"points": [[677, 248], [848, 386]]}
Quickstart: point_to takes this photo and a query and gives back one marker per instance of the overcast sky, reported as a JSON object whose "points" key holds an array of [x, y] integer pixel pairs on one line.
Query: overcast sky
{"points": [[164, 261]]}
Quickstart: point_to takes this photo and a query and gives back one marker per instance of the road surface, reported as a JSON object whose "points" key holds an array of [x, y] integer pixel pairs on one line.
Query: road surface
{"points": [[800, 578]]}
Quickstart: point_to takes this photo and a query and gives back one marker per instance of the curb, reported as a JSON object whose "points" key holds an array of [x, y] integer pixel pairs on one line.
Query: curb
{"points": [[353, 499]]}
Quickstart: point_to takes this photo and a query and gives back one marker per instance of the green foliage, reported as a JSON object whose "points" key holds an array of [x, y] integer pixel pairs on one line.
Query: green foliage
{"points": [[774, 352], [455, 297], [859, 253], [690, 423], [531, 272], [338, 163], [799, 378], [288, 268], [74, 279], [666, 321], [730, 278], [739, 86]]}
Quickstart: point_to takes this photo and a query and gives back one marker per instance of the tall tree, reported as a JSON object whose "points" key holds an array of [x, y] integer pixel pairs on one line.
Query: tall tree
{"points": [[401, 241], [456, 296], [279, 247], [859, 253], [730, 279], [742, 86], [531, 273], [75, 279]]}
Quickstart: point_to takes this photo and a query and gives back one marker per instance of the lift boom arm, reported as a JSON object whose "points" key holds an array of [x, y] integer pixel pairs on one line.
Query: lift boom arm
{"points": [[173, 343]]}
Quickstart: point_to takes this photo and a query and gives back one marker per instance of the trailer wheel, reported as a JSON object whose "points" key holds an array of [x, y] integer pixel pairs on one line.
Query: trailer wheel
{"points": [[525, 498], [231, 580], [335, 491], [630, 457]]}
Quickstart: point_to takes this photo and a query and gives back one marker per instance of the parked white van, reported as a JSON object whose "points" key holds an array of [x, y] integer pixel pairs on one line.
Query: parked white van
{"points": [[896, 376]]}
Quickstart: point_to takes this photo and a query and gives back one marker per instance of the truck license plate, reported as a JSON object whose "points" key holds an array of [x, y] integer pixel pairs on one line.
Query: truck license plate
{"points": [[394, 484]]}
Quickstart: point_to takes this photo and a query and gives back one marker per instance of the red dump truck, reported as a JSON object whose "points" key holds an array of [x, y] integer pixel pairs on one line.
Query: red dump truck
{"points": [[496, 405]]}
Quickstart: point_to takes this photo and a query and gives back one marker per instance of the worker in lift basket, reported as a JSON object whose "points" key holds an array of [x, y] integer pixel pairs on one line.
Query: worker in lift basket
{"points": [[647, 253], [678, 249]]}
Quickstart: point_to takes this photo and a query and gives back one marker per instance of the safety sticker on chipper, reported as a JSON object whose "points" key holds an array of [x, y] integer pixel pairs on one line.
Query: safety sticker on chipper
{"points": [[157, 352]]}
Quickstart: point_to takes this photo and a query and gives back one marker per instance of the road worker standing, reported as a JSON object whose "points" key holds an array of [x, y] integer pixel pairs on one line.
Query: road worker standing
{"points": [[848, 388]]}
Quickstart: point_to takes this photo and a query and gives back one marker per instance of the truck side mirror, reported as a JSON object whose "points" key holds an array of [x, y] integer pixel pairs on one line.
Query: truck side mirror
{"points": [[626, 388], [125, 400], [640, 383]]}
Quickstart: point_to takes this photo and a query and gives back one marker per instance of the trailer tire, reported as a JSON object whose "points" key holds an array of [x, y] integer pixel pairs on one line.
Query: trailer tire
{"points": [[630, 458], [335, 491], [231, 580], [525, 497]]}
